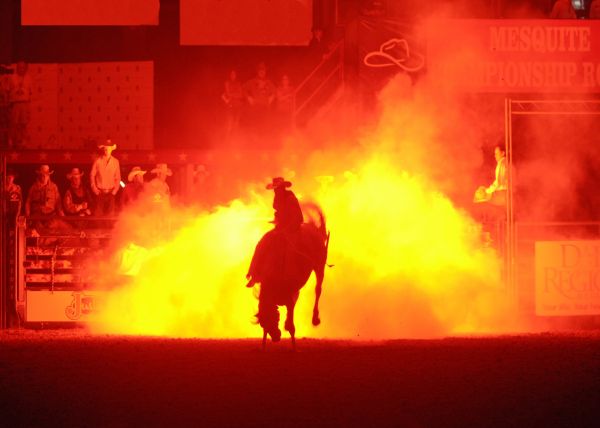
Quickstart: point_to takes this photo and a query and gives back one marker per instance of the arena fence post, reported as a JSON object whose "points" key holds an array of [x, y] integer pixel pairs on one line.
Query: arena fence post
{"points": [[4, 253]]}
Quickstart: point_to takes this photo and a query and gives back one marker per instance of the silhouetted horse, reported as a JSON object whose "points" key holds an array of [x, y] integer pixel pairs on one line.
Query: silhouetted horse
{"points": [[282, 263]]}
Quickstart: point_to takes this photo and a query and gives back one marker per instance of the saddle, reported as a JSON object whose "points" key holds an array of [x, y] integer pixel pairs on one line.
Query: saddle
{"points": [[275, 256]]}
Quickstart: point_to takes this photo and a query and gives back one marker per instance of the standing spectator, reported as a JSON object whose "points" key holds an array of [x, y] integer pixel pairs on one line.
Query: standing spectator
{"points": [[317, 46], [160, 195], [4, 106], [233, 97], [43, 198], [14, 197], [105, 179], [159, 189], [563, 9], [20, 91], [77, 199], [134, 187], [260, 94], [595, 9], [285, 102]]}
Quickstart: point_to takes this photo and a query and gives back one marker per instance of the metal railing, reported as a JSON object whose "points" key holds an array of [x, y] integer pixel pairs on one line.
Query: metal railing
{"points": [[319, 80], [51, 257]]}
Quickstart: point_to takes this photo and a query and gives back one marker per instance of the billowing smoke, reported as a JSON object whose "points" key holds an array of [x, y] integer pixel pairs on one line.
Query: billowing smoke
{"points": [[408, 258], [408, 262]]}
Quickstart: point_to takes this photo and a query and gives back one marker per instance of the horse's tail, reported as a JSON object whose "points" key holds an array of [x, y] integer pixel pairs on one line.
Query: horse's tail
{"points": [[314, 216]]}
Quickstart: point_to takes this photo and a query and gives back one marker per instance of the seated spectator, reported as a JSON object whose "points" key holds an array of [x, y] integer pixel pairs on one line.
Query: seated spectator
{"points": [[14, 197], [134, 187], [595, 9], [563, 9], [77, 199], [43, 198]]}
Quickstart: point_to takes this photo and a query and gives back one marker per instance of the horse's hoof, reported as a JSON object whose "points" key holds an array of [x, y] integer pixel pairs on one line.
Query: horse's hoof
{"points": [[275, 335], [316, 321]]}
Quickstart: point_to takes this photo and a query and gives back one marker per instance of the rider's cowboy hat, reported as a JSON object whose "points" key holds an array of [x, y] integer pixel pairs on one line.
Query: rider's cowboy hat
{"points": [[136, 170], [74, 173], [278, 182], [162, 167], [108, 144], [44, 170]]}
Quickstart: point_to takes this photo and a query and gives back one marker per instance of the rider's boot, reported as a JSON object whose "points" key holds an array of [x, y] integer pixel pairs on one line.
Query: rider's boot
{"points": [[251, 281]]}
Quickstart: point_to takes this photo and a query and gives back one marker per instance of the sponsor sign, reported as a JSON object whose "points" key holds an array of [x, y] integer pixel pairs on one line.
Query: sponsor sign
{"points": [[516, 55], [89, 12], [567, 278], [62, 305]]}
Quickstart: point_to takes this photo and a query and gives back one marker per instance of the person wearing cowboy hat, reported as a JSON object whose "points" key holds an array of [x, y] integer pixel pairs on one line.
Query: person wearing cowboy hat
{"points": [[288, 214], [288, 218], [158, 186], [134, 187], [77, 199], [105, 179], [43, 198]]}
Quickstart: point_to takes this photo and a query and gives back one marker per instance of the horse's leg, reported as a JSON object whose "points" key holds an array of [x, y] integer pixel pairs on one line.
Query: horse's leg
{"points": [[289, 320], [268, 318], [319, 273], [264, 341]]}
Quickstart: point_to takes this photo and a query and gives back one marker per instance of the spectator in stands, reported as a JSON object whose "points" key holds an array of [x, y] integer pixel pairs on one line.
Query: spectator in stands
{"points": [[4, 105], [105, 179], [595, 9], [317, 46], [285, 101], [14, 197], [160, 197], [260, 91], [43, 198], [134, 187], [158, 187], [20, 90], [563, 9], [372, 8], [233, 97], [77, 199], [260, 94]]}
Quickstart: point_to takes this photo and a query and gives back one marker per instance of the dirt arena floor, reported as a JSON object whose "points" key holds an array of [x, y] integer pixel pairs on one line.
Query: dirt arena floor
{"points": [[70, 379]]}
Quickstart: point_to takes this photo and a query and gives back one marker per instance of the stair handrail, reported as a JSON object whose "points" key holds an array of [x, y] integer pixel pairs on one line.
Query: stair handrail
{"points": [[338, 46]]}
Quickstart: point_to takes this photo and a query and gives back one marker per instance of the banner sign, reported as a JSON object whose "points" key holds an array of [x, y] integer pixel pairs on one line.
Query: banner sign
{"points": [[245, 22], [387, 47], [62, 305], [89, 12], [516, 55], [567, 278]]}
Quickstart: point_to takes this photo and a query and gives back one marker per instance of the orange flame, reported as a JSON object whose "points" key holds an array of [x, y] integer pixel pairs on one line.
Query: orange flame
{"points": [[408, 262]]}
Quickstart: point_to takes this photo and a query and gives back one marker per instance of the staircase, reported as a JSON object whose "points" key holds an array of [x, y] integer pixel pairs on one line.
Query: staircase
{"points": [[322, 85]]}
